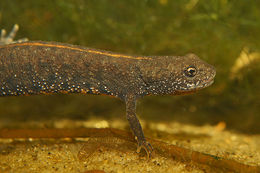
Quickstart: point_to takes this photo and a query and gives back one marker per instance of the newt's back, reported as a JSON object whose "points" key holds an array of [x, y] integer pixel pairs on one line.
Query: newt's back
{"points": [[44, 68]]}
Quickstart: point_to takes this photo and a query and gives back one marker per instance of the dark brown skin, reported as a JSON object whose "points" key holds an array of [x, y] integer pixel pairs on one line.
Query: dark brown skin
{"points": [[32, 68]]}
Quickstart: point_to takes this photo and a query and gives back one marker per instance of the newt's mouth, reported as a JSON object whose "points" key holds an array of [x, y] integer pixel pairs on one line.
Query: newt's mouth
{"points": [[193, 88], [205, 84]]}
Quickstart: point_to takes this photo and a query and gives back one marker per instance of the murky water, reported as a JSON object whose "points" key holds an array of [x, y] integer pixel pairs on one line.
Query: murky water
{"points": [[224, 33]]}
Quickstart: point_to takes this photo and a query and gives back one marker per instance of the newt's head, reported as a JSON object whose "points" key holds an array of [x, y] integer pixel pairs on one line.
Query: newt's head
{"points": [[178, 75], [192, 74]]}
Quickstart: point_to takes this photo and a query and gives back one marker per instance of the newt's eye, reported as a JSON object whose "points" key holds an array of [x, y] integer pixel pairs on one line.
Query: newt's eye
{"points": [[190, 71]]}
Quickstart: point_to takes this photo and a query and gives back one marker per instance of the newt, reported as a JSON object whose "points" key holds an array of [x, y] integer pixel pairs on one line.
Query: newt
{"points": [[37, 67]]}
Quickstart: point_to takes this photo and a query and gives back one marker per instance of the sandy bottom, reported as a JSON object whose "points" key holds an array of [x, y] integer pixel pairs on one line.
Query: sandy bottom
{"points": [[221, 150]]}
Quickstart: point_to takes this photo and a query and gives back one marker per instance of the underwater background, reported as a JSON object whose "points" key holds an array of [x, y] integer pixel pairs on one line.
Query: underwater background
{"points": [[224, 33]]}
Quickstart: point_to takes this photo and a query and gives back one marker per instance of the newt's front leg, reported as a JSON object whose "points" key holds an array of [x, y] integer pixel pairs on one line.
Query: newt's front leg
{"points": [[136, 126]]}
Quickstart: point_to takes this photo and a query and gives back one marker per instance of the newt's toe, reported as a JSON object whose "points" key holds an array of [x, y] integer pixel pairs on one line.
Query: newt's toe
{"points": [[147, 147]]}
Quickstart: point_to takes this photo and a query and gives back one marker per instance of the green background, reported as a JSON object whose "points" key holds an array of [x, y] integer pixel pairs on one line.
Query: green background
{"points": [[217, 31]]}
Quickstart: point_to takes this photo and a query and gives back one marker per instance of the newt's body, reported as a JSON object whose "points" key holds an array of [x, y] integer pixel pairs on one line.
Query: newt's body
{"points": [[31, 68]]}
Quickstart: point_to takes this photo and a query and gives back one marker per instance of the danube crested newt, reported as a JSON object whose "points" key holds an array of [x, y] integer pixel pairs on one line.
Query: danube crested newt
{"points": [[32, 68]]}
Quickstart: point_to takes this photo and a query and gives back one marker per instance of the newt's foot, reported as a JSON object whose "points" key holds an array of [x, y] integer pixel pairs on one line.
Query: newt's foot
{"points": [[146, 146], [10, 37]]}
